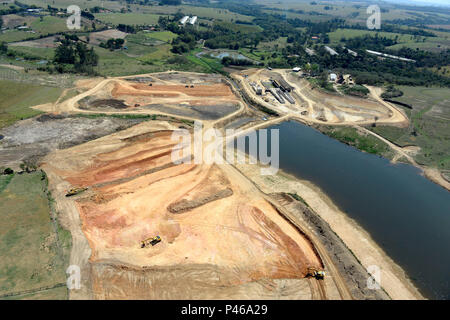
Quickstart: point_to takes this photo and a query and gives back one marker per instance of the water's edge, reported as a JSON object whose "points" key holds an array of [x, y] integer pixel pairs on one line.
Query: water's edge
{"points": [[399, 241]]}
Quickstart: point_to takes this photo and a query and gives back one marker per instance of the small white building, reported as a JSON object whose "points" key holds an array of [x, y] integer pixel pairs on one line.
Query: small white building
{"points": [[333, 77], [184, 20], [331, 51], [296, 69], [193, 20]]}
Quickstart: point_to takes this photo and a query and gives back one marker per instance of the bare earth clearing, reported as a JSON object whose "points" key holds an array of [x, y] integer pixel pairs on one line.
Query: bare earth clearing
{"points": [[234, 240], [222, 237]]}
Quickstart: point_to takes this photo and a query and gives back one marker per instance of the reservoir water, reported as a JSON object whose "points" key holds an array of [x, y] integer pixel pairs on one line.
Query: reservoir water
{"points": [[405, 213]]}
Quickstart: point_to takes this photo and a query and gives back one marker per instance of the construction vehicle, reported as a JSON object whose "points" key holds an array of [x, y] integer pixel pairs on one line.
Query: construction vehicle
{"points": [[75, 191], [150, 241], [314, 273]]}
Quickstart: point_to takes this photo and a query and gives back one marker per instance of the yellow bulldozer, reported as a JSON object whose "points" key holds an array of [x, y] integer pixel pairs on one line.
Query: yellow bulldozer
{"points": [[314, 273], [150, 241], [75, 191]]}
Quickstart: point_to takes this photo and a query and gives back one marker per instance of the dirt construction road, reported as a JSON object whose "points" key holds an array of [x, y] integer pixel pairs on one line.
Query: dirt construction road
{"points": [[313, 106]]}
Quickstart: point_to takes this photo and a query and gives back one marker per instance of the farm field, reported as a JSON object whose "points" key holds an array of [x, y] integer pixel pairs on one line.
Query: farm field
{"points": [[165, 36], [111, 5], [429, 127], [201, 12], [17, 98], [48, 25], [352, 12], [128, 18], [33, 255], [439, 43]]}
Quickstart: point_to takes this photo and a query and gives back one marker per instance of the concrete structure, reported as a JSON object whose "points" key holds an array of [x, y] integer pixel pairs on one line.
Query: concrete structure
{"points": [[256, 88], [285, 86], [276, 94], [297, 69], [267, 85], [287, 96]]}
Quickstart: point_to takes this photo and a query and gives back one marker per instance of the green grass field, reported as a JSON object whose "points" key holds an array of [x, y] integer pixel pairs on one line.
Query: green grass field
{"points": [[14, 36], [112, 5], [352, 137], [207, 64], [430, 119], [159, 55], [49, 24], [439, 43], [31, 256], [165, 36], [17, 98], [34, 53], [239, 28], [203, 13], [128, 18], [272, 45]]}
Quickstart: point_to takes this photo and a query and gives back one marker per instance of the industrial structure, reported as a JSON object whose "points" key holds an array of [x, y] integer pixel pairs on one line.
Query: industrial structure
{"points": [[257, 88], [276, 94], [190, 20], [193, 20], [282, 84], [184, 20], [287, 96]]}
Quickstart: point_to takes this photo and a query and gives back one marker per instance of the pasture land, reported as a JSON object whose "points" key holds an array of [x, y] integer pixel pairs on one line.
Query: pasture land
{"points": [[429, 129], [17, 98], [35, 250]]}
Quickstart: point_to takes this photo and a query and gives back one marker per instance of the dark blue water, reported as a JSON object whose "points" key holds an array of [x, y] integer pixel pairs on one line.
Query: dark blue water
{"points": [[405, 213]]}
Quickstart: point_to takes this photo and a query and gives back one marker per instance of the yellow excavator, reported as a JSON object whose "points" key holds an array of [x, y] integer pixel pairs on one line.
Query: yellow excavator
{"points": [[75, 191], [150, 241], [314, 273]]}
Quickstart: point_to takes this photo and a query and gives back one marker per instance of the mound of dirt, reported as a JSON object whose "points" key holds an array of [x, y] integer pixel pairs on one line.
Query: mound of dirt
{"points": [[187, 205]]}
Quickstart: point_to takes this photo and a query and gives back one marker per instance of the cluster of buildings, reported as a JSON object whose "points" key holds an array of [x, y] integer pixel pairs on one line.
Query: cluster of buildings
{"points": [[279, 89], [188, 20], [346, 79]]}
